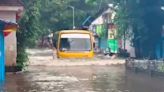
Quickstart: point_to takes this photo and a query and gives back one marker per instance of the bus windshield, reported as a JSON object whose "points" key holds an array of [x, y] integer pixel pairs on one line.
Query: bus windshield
{"points": [[75, 42]]}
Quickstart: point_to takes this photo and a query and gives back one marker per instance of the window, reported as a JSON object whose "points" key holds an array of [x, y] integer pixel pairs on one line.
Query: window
{"points": [[75, 42]]}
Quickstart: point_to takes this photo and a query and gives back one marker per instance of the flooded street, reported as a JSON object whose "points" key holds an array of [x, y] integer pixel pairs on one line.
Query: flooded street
{"points": [[81, 45], [47, 57], [81, 79], [45, 74]]}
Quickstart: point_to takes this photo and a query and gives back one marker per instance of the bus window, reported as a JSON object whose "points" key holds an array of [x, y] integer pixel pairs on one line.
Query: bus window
{"points": [[75, 42], [64, 44]]}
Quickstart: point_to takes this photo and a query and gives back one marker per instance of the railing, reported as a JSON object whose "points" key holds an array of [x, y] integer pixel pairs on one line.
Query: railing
{"points": [[152, 67]]}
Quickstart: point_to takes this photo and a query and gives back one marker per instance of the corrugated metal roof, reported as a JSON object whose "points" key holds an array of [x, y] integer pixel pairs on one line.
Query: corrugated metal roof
{"points": [[7, 22], [11, 3]]}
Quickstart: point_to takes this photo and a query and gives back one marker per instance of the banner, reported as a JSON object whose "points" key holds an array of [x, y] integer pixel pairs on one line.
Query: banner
{"points": [[112, 32], [101, 30], [113, 45], [9, 28]]}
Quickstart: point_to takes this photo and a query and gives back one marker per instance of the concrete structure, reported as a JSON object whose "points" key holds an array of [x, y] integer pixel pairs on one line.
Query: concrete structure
{"points": [[5, 29], [10, 11]]}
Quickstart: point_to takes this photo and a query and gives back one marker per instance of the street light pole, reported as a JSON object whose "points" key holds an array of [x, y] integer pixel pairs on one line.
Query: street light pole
{"points": [[73, 19]]}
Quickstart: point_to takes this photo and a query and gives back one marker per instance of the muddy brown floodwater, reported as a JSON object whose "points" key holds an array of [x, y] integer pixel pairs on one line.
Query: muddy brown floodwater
{"points": [[80, 79]]}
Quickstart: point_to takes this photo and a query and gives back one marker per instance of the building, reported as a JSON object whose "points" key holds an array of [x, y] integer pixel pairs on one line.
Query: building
{"points": [[10, 11], [5, 29], [105, 32]]}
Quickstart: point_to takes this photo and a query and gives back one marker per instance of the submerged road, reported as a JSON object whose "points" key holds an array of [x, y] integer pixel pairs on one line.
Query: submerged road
{"points": [[81, 79], [46, 74]]}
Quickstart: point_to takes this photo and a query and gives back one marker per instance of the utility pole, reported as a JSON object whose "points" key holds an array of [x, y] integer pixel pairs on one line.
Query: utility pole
{"points": [[73, 15]]}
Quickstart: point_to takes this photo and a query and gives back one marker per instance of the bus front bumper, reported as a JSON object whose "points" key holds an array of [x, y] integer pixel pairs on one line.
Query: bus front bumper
{"points": [[75, 55]]}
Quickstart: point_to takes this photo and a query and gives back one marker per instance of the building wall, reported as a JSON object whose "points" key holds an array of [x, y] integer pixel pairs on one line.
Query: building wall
{"points": [[130, 49], [10, 40], [103, 43]]}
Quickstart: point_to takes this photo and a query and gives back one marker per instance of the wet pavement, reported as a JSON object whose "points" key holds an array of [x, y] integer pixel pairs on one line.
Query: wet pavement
{"points": [[81, 79]]}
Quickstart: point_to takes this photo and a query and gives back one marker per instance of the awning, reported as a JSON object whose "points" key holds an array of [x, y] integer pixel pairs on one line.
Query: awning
{"points": [[7, 27]]}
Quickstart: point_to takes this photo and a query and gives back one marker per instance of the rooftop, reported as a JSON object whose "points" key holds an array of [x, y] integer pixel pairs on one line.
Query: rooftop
{"points": [[10, 3]]}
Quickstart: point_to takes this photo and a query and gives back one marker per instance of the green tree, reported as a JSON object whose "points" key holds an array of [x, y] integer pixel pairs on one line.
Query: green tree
{"points": [[146, 18], [29, 30]]}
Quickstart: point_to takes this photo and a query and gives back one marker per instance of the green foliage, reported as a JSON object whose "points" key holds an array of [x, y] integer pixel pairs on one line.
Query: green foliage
{"points": [[29, 24], [91, 2], [146, 18], [22, 58], [29, 30]]}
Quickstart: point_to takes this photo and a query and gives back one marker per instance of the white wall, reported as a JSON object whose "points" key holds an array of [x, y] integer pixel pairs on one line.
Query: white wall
{"points": [[130, 49], [8, 16]]}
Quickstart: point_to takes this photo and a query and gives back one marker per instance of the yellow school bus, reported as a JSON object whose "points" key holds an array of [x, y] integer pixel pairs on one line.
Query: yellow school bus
{"points": [[74, 44]]}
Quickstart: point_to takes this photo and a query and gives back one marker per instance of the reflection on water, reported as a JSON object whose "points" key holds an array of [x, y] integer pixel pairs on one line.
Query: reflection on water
{"points": [[81, 79], [1, 86]]}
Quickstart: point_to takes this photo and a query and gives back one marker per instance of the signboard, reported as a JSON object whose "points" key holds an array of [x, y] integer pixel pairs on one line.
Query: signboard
{"points": [[75, 36], [9, 28], [113, 45], [112, 41], [112, 32], [100, 30]]}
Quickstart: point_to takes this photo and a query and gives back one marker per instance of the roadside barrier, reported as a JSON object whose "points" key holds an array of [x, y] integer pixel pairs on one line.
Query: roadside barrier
{"points": [[151, 67]]}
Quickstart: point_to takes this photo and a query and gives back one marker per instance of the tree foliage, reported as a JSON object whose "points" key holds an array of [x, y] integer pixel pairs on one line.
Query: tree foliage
{"points": [[146, 18], [29, 30]]}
